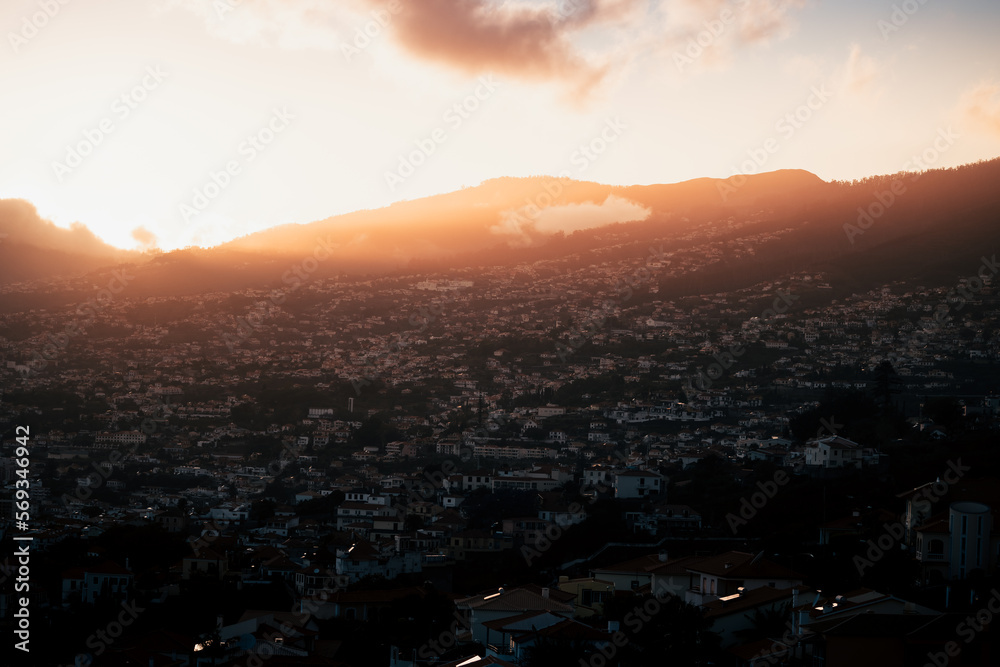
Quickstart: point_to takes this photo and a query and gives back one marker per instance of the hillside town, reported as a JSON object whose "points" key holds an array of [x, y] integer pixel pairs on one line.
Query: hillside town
{"points": [[535, 457]]}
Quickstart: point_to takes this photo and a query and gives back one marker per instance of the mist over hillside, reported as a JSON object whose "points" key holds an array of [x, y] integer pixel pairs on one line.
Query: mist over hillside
{"points": [[863, 232], [32, 247]]}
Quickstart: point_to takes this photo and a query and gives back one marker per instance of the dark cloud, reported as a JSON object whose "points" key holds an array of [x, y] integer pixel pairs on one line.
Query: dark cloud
{"points": [[20, 221], [516, 40]]}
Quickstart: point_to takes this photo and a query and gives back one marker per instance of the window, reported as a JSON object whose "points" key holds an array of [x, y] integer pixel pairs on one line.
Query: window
{"points": [[935, 548]]}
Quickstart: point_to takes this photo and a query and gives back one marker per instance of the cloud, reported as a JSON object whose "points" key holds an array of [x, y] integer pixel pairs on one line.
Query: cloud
{"points": [[981, 107], [518, 39], [21, 224], [861, 71], [745, 21], [711, 31], [761, 21], [804, 68], [574, 217], [524, 230], [522, 41], [146, 238], [285, 24]]}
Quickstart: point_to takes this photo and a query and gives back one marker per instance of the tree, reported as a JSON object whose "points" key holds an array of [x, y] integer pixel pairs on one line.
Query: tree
{"points": [[768, 622], [548, 652], [663, 626], [944, 410], [887, 383]]}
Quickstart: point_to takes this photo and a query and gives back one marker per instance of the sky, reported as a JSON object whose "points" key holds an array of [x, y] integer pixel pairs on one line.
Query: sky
{"points": [[171, 123]]}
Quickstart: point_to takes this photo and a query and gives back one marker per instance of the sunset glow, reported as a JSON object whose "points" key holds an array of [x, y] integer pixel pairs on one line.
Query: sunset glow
{"points": [[167, 123]]}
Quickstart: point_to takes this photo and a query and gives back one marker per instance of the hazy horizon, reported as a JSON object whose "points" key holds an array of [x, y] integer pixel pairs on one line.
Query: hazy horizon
{"points": [[231, 117]]}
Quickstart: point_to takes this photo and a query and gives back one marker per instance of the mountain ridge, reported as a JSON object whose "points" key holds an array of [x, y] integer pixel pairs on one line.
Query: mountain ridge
{"points": [[941, 215]]}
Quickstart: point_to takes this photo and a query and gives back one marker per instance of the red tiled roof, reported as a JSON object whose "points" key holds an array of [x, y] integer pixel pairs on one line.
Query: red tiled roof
{"points": [[518, 599], [750, 599], [568, 629], [739, 565]]}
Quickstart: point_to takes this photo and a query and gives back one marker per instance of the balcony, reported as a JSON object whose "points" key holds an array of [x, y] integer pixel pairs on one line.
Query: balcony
{"points": [[931, 557], [499, 651]]}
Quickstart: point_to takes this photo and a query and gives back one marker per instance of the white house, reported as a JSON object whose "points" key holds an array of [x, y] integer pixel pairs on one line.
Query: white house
{"points": [[726, 574], [951, 546], [482, 612], [365, 559], [91, 582], [638, 483], [230, 512], [837, 452]]}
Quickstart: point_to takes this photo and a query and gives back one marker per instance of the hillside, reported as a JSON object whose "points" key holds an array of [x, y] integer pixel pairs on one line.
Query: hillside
{"points": [[936, 227]]}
